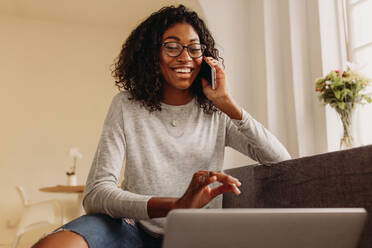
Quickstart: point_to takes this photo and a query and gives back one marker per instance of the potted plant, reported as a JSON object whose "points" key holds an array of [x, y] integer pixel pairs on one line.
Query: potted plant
{"points": [[342, 90]]}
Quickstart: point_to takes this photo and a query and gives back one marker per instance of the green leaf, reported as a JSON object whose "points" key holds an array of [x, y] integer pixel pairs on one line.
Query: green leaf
{"points": [[341, 105], [367, 98], [342, 91], [337, 94]]}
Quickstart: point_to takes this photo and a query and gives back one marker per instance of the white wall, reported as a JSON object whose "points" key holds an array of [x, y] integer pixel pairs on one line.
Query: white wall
{"points": [[273, 55], [237, 27], [279, 70]]}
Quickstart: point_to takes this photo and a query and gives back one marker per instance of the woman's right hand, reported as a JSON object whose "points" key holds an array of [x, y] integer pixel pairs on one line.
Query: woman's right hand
{"points": [[199, 193]]}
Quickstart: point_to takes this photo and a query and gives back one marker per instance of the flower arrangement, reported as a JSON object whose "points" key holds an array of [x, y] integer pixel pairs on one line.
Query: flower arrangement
{"points": [[342, 91], [74, 155]]}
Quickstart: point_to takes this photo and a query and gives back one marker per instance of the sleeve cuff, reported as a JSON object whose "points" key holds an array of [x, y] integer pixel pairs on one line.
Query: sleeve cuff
{"points": [[241, 123], [145, 213]]}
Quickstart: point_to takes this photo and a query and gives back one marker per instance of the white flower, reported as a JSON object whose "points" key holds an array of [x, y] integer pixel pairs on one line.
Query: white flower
{"points": [[75, 153]]}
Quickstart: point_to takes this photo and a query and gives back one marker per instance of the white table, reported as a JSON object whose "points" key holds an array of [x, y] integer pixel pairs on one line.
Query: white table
{"points": [[77, 210]]}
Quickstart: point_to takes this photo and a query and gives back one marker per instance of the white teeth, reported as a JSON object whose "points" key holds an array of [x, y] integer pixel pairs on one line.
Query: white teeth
{"points": [[182, 70]]}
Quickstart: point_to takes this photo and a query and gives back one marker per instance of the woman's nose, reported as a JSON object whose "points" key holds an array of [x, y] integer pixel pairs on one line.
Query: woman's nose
{"points": [[184, 56]]}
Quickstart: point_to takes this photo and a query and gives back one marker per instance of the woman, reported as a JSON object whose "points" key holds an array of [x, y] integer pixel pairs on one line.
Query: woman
{"points": [[171, 127]]}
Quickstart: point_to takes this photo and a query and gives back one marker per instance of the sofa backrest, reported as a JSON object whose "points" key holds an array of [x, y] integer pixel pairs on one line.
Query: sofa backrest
{"points": [[341, 179]]}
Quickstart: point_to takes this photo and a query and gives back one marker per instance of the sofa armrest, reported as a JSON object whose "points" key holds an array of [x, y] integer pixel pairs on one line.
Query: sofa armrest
{"points": [[335, 179]]}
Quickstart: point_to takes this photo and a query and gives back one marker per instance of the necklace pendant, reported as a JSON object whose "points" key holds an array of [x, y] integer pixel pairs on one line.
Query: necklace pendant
{"points": [[174, 123]]}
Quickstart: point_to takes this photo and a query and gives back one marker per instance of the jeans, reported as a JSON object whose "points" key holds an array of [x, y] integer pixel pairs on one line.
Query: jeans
{"points": [[103, 231]]}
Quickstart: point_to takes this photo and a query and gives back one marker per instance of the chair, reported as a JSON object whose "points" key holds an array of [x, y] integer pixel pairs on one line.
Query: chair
{"points": [[36, 215]]}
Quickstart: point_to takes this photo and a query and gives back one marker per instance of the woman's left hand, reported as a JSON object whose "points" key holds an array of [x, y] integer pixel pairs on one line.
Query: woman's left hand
{"points": [[199, 193], [220, 95]]}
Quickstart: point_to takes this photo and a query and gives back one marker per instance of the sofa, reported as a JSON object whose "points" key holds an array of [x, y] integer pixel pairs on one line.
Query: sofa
{"points": [[341, 179]]}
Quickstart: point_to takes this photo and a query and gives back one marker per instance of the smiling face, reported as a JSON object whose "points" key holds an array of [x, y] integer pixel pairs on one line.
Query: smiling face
{"points": [[179, 72]]}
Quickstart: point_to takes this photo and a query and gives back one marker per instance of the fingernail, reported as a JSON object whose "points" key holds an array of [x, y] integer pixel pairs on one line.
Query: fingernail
{"points": [[236, 188]]}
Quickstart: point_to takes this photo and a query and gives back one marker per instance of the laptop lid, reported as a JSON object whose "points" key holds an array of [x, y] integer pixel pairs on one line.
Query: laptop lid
{"points": [[263, 228]]}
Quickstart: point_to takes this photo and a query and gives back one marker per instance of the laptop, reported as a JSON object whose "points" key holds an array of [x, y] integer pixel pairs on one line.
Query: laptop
{"points": [[264, 228]]}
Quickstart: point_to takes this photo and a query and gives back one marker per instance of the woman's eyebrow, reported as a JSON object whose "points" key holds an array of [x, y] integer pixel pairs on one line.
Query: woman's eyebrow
{"points": [[178, 39], [172, 37]]}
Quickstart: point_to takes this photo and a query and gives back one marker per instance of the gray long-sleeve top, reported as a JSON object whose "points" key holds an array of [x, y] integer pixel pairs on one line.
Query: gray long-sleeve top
{"points": [[163, 149]]}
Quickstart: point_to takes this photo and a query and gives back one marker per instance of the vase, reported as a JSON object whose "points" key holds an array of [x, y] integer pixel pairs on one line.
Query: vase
{"points": [[71, 180], [346, 116]]}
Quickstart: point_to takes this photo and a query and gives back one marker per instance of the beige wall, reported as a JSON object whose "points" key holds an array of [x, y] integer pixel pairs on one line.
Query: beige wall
{"points": [[54, 94]]}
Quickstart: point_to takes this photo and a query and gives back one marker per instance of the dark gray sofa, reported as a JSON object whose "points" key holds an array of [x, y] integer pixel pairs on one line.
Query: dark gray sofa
{"points": [[331, 180]]}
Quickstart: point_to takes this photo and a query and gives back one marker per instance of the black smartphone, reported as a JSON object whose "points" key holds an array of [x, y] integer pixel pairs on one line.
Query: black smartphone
{"points": [[208, 73]]}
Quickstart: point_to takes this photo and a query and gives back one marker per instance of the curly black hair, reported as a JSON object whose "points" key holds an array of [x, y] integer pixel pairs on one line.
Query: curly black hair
{"points": [[137, 68]]}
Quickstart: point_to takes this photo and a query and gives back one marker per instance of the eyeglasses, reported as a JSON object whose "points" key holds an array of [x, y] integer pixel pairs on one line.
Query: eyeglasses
{"points": [[174, 49]]}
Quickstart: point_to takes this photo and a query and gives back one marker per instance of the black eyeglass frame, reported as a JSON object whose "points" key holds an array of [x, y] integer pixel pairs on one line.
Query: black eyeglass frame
{"points": [[202, 46]]}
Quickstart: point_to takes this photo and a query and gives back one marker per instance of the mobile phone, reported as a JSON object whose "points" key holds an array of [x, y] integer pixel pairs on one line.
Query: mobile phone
{"points": [[208, 73]]}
